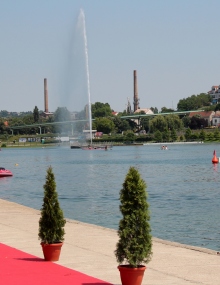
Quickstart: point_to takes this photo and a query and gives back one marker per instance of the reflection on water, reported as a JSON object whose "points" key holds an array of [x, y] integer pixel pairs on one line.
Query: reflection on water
{"points": [[183, 186]]}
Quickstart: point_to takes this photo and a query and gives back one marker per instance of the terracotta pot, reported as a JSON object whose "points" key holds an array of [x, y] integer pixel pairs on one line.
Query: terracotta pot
{"points": [[51, 251], [131, 276]]}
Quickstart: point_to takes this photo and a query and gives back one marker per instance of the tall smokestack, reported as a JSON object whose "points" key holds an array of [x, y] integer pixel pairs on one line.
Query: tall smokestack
{"points": [[45, 96], [136, 100]]}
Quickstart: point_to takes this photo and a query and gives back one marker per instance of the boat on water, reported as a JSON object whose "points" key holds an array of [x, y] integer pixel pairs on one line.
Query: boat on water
{"points": [[75, 146], [4, 172], [96, 147]]}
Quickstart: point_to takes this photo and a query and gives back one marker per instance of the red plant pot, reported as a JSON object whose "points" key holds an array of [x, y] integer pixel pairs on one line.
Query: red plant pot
{"points": [[131, 276], [51, 251]]}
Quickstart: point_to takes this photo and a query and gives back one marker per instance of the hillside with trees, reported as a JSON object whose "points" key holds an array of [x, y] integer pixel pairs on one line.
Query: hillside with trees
{"points": [[167, 127]]}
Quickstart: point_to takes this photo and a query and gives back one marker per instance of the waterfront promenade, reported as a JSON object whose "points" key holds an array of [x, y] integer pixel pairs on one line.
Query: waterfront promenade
{"points": [[90, 250]]}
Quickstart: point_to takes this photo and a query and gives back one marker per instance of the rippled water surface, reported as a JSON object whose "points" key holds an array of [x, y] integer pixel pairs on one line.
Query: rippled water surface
{"points": [[183, 186]]}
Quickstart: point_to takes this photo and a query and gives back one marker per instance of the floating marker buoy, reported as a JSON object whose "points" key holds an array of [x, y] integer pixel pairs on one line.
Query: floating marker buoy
{"points": [[214, 159]]}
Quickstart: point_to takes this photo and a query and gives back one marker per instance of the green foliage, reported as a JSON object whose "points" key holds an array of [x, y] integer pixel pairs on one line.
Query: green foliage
{"points": [[120, 124], [36, 114], [166, 110], [4, 145], [135, 242], [209, 136], [188, 134], [181, 138], [166, 136], [186, 120], [104, 125], [202, 135], [129, 136], [158, 136], [217, 107], [61, 114], [52, 222], [194, 136], [194, 102], [154, 110], [216, 134], [101, 110], [145, 123], [173, 135], [163, 123]]}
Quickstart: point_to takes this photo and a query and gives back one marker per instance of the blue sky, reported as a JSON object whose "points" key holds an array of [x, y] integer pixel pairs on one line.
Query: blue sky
{"points": [[173, 44]]}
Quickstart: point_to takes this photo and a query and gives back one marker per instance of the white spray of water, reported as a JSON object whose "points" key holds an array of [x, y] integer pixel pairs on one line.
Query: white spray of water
{"points": [[87, 71]]}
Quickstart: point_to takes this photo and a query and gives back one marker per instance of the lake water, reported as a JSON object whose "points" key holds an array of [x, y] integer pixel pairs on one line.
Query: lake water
{"points": [[182, 184]]}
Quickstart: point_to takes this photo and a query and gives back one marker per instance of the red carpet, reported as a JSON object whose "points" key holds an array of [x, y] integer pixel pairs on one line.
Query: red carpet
{"points": [[18, 267]]}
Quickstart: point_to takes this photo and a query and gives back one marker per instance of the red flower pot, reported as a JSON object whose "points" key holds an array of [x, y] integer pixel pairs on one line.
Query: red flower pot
{"points": [[131, 276], [51, 251]]}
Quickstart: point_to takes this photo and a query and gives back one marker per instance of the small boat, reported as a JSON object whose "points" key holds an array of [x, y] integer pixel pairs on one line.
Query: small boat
{"points": [[4, 172], [89, 147]]}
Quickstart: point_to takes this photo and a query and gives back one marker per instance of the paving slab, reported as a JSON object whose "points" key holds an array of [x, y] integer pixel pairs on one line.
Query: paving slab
{"points": [[90, 250]]}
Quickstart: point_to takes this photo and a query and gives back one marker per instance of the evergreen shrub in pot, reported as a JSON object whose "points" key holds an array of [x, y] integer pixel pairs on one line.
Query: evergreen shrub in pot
{"points": [[52, 222], [134, 247]]}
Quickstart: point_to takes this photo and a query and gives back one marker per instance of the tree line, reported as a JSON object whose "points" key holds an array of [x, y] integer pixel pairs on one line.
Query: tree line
{"points": [[160, 128]]}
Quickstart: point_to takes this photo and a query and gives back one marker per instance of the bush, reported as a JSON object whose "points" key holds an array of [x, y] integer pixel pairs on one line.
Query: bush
{"points": [[52, 222], [134, 245]]}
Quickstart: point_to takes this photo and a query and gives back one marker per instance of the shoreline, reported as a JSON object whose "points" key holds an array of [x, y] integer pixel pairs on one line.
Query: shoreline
{"points": [[90, 249], [155, 239]]}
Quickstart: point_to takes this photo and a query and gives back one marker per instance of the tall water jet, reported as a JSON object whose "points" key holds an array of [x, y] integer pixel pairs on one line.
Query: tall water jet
{"points": [[87, 73], [75, 87]]}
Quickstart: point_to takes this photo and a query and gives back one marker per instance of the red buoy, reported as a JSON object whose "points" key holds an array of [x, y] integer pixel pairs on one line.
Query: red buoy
{"points": [[214, 159]]}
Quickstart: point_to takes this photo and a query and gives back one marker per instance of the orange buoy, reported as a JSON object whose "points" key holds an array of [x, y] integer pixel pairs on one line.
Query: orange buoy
{"points": [[214, 159]]}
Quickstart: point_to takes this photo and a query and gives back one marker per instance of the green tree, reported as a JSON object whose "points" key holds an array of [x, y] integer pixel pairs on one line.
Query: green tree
{"points": [[217, 107], [216, 134], [158, 136], [145, 124], [194, 102], [36, 114], [154, 110], [135, 241], [61, 114], [173, 122], [52, 222], [101, 110], [166, 110], [166, 136], [120, 124], [104, 125], [209, 136], [186, 121], [181, 138], [202, 135], [188, 134], [174, 135], [129, 136], [194, 136], [158, 123]]}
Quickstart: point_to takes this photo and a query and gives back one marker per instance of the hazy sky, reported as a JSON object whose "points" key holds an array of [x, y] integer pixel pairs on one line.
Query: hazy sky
{"points": [[173, 44]]}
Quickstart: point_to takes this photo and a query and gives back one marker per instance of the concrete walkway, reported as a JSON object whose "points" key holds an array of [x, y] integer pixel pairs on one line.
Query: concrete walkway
{"points": [[90, 250]]}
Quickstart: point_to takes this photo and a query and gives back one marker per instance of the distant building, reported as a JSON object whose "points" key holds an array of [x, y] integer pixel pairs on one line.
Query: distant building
{"points": [[46, 114], [206, 115], [216, 119], [215, 94], [114, 113], [146, 111]]}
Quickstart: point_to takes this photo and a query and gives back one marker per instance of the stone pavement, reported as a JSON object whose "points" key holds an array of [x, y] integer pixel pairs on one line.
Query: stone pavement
{"points": [[90, 250]]}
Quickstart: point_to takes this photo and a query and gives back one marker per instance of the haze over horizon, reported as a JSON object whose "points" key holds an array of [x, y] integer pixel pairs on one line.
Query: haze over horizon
{"points": [[173, 45]]}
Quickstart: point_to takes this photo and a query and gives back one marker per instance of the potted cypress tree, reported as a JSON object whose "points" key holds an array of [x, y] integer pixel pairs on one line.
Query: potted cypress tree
{"points": [[52, 222], [135, 242]]}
